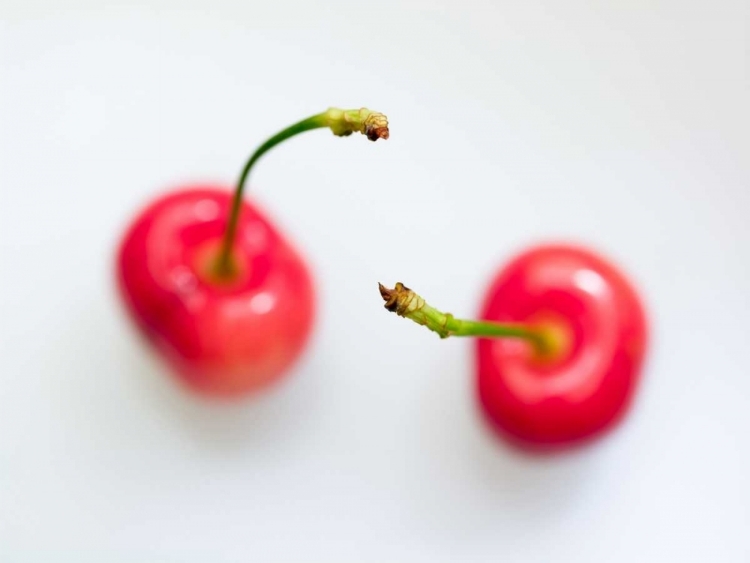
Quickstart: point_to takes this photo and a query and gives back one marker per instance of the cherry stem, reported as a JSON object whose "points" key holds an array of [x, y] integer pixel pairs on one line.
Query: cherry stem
{"points": [[341, 122], [406, 303]]}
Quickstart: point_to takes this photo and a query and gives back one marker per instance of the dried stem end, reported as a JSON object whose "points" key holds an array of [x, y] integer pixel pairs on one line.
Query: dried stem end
{"points": [[406, 303], [372, 124]]}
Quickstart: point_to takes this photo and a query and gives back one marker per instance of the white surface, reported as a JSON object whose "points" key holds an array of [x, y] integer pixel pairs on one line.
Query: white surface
{"points": [[621, 125]]}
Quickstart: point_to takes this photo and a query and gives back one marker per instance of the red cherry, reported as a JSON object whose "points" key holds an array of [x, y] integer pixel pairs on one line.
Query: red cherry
{"points": [[214, 286], [222, 337], [598, 323]]}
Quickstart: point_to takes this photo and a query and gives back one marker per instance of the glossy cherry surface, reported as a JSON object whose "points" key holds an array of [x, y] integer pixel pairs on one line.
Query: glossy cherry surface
{"points": [[599, 322], [223, 337]]}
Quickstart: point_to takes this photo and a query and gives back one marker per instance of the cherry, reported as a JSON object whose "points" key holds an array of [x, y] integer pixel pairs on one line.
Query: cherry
{"points": [[597, 324], [219, 292], [222, 337], [560, 345]]}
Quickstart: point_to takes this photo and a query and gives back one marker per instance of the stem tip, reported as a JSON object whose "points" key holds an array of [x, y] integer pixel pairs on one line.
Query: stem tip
{"points": [[390, 296], [401, 300], [372, 124]]}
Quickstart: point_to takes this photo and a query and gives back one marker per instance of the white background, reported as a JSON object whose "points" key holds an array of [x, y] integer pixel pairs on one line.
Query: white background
{"points": [[623, 125]]}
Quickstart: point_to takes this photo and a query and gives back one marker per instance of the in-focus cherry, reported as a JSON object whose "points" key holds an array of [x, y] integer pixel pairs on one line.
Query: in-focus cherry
{"points": [[218, 291], [596, 323], [559, 346]]}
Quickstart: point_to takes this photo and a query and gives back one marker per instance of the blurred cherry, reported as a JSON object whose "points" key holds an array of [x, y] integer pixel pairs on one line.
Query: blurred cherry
{"points": [[215, 287]]}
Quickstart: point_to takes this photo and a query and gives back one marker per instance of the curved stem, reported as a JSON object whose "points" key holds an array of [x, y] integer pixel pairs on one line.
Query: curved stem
{"points": [[223, 264], [406, 303], [342, 122]]}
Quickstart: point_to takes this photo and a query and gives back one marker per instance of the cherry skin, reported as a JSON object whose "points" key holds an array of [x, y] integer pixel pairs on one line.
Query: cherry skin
{"points": [[596, 319], [224, 337]]}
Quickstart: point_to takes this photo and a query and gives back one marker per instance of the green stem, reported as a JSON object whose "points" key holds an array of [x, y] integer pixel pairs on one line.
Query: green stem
{"points": [[462, 327], [224, 263], [341, 122], [406, 303]]}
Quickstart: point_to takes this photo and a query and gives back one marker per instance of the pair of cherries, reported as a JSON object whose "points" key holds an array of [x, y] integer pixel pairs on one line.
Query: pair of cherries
{"points": [[229, 303]]}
